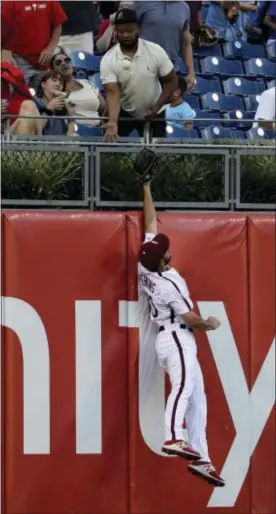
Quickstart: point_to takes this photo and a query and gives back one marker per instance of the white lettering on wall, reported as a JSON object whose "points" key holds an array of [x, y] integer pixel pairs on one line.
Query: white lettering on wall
{"points": [[20, 317], [88, 377]]}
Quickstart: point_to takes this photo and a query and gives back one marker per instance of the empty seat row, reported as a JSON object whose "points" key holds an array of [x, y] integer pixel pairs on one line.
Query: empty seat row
{"points": [[221, 102], [231, 86], [240, 120], [256, 67], [219, 132]]}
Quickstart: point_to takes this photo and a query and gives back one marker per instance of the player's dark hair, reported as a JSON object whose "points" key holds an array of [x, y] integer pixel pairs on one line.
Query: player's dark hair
{"points": [[181, 84]]}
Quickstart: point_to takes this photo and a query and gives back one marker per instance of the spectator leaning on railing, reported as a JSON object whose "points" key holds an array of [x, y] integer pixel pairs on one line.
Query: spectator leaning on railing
{"points": [[167, 24], [131, 73], [38, 29], [86, 98]]}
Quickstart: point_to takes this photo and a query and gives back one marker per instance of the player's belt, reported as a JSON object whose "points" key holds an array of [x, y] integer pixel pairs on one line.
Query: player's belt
{"points": [[182, 325]]}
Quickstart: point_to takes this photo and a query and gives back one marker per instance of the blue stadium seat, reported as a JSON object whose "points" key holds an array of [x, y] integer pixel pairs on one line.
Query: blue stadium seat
{"points": [[219, 102], [207, 85], [251, 102], [271, 51], [85, 60], [219, 65], [219, 132], [242, 86], [175, 132], [180, 66], [207, 51], [83, 130], [205, 117], [192, 100], [237, 119], [260, 67], [243, 50], [96, 80], [260, 133]]}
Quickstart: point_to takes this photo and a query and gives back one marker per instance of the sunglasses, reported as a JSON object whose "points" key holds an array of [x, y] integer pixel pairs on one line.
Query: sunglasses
{"points": [[58, 62]]}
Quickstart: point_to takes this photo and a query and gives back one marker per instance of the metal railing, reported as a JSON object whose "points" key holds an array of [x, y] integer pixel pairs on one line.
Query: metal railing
{"points": [[89, 168]]}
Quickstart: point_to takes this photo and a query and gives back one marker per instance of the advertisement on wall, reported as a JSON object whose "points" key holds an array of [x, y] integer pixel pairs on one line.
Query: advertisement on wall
{"points": [[83, 396]]}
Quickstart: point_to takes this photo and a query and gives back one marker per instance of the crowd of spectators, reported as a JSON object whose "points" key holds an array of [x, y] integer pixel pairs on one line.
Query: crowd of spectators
{"points": [[146, 68]]}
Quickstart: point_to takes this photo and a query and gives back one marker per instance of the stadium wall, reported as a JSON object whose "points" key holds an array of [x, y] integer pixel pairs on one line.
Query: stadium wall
{"points": [[82, 406]]}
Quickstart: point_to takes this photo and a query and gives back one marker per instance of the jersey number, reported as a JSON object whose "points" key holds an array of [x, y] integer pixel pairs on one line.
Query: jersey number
{"points": [[152, 308]]}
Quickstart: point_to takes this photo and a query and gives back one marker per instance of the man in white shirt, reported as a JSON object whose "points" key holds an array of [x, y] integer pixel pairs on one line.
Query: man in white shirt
{"points": [[132, 73], [164, 298], [265, 115]]}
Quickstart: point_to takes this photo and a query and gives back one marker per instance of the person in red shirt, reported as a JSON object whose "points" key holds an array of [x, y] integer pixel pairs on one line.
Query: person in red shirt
{"points": [[8, 32], [38, 29]]}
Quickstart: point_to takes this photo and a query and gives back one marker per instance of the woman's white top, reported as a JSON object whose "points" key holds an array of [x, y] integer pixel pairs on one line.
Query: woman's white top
{"points": [[86, 102]]}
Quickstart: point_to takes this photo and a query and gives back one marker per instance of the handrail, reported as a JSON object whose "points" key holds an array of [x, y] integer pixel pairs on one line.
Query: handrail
{"points": [[104, 118]]}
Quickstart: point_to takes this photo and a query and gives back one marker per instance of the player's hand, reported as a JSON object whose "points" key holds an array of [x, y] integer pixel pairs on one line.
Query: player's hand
{"points": [[111, 133], [213, 322]]}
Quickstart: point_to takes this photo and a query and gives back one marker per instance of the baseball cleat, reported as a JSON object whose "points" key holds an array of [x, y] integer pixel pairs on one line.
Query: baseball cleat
{"points": [[181, 449], [206, 471]]}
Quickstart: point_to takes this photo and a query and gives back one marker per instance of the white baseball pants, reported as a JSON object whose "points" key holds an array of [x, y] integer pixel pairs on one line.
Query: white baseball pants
{"points": [[177, 354]]}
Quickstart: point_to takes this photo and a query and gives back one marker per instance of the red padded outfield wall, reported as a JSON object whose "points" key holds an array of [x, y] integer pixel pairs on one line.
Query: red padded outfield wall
{"points": [[83, 402]]}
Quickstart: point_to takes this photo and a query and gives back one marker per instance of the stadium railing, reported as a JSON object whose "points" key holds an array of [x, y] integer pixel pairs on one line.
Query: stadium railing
{"points": [[85, 172]]}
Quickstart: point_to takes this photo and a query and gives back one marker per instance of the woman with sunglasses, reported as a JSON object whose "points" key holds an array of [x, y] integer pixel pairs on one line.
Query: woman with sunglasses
{"points": [[83, 94]]}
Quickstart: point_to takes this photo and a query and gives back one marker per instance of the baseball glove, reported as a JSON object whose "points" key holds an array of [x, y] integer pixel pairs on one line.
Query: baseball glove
{"points": [[144, 165]]}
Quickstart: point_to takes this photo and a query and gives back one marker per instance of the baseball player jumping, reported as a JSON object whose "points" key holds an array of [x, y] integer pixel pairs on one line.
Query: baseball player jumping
{"points": [[171, 308]]}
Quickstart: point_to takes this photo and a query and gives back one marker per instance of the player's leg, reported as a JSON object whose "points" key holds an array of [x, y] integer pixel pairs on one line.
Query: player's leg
{"points": [[196, 416], [196, 421], [180, 367]]}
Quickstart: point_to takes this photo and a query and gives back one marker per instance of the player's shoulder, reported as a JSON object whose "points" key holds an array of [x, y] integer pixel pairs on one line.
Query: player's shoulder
{"points": [[174, 277]]}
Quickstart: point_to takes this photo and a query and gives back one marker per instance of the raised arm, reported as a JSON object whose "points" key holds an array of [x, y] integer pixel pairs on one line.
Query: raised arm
{"points": [[150, 217]]}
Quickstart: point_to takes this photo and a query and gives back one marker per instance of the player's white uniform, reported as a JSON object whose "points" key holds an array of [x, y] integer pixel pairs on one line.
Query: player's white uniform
{"points": [[168, 297]]}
